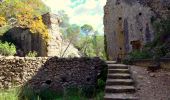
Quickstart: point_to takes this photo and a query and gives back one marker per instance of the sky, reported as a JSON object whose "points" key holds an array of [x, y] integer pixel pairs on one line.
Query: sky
{"points": [[81, 11]]}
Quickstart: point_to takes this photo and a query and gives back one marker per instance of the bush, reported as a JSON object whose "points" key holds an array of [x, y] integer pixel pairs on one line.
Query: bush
{"points": [[140, 55], [32, 54], [137, 55], [7, 49]]}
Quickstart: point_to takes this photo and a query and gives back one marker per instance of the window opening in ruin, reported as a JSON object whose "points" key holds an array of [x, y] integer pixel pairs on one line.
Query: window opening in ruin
{"points": [[140, 14], [88, 79], [120, 18], [118, 2], [141, 30], [63, 79], [48, 82], [136, 45], [168, 8]]}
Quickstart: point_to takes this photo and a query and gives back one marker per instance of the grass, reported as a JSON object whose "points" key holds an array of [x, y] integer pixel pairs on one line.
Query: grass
{"points": [[12, 94]]}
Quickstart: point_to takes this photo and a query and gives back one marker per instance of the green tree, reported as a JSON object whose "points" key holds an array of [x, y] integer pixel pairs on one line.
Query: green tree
{"points": [[87, 28], [64, 19], [73, 32]]}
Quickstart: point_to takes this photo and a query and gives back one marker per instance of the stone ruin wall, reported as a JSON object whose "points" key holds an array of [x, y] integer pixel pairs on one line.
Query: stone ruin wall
{"points": [[54, 73], [26, 41], [127, 22]]}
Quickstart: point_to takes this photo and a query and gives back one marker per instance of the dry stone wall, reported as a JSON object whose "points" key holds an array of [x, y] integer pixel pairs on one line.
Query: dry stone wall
{"points": [[54, 73], [18, 70]]}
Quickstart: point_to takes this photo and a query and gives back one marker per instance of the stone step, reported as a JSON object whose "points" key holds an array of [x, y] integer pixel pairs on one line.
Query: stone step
{"points": [[120, 89], [118, 71], [111, 66], [116, 64], [119, 96], [118, 76], [110, 62], [110, 82]]}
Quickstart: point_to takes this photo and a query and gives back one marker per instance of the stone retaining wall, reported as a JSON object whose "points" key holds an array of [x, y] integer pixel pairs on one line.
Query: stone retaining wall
{"points": [[165, 63], [54, 73]]}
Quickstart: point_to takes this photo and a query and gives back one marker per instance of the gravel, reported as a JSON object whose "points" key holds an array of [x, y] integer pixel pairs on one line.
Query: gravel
{"points": [[151, 86]]}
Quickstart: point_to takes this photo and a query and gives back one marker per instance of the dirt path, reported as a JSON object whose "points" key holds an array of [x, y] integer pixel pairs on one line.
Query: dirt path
{"points": [[151, 86]]}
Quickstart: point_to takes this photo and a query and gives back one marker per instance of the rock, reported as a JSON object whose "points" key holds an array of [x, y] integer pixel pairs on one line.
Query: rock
{"points": [[141, 77], [152, 75], [128, 24]]}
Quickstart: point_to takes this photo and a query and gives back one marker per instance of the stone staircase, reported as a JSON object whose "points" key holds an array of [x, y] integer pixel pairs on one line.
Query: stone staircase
{"points": [[119, 84]]}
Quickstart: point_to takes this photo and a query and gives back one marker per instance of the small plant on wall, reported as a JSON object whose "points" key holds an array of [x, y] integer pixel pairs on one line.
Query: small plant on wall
{"points": [[7, 49], [32, 54]]}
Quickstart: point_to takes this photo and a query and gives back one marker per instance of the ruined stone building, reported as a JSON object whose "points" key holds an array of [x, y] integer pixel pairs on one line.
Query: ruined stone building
{"points": [[128, 24], [26, 41]]}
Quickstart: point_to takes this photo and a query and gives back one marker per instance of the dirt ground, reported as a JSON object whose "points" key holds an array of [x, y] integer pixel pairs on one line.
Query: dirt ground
{"points": [[151, 86]]}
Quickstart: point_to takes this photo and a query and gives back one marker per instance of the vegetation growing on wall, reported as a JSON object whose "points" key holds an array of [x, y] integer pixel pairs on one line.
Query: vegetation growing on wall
{"points": [[7, 49], [159, 47], [161, 42], [25, 14], [2, 21], [32, 54]]}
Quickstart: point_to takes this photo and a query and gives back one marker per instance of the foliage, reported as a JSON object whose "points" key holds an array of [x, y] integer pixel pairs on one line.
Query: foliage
{"points": [[87, 28], [135, 55], [82, 37], [73, 32], [26, 93], [10, 8], [36, 25], [27, 14], [4, 29], [32, 54], [160, 45], [64, 19], [7, 49], [91, 46], [2, 21], [140, 55], [10, 94]]}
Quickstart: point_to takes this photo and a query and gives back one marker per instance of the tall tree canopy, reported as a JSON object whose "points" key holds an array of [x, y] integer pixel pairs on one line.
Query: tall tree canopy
{"points": [[87, 28]]}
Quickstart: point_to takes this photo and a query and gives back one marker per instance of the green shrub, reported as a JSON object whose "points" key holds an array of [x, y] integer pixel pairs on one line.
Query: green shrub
{"points": [[134, 55], [7, 49], [32, 54], [140, 55], [101, 84], [4, 29]]}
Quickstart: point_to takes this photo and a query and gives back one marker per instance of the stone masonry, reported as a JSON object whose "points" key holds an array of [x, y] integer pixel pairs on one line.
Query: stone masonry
{"points": [[55, 73]]}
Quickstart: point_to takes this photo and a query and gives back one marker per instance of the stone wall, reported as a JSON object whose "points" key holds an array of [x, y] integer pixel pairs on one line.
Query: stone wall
{"points": [[164, 63], [54, 73], [128, 24], [27, 41]]}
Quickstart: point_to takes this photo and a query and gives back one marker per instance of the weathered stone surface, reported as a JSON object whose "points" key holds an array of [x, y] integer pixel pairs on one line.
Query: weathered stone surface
{"points": [[26, 41], [128, 24], [54, 73]]}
